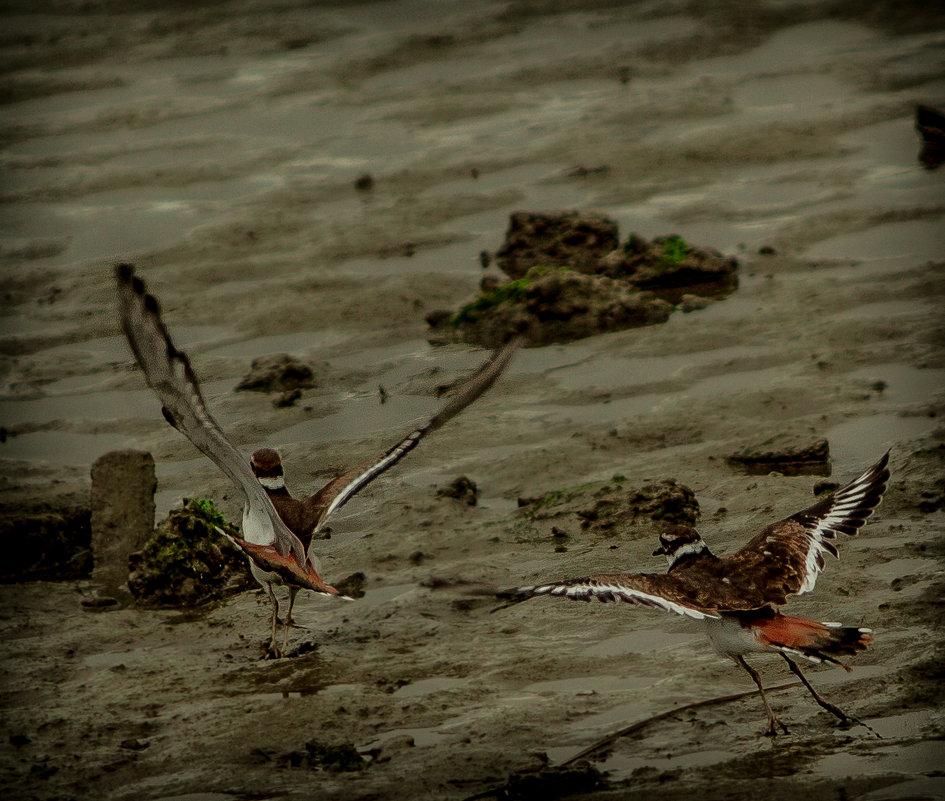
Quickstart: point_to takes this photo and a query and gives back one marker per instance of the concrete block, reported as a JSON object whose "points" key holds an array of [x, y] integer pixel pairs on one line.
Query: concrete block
{"points": [[123, 485]]}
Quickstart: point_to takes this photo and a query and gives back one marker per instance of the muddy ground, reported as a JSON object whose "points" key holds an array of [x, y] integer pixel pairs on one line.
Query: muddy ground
{"points": [[218, 149]]}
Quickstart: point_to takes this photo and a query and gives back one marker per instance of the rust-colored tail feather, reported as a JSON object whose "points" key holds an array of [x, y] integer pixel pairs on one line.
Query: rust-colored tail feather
{"points": [[818, 642]]}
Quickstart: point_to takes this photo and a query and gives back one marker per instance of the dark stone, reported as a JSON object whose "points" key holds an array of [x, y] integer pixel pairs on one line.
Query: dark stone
{"points": [[277, 373], [186, 562], [785, 456], [561, 239], [930, 123], [364, 182], [42, 543]]}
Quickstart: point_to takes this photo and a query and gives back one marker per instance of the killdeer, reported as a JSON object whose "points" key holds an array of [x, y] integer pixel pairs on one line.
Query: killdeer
{"points": [[277, 549], [306, 517], [737, 596]]}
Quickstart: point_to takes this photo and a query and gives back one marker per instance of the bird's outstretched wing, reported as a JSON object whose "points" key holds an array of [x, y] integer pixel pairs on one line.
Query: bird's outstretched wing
{"points": [[169, 374], [786, 557], [340, 490], [660, 590]]}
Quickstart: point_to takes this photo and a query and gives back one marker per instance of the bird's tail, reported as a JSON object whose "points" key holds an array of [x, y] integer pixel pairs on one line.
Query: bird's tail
{"points": [[818, 642]]}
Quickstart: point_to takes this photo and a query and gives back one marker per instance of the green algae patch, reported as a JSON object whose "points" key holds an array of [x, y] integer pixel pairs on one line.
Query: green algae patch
{"points": [[510, 292], [552, 304], [186, 562]]}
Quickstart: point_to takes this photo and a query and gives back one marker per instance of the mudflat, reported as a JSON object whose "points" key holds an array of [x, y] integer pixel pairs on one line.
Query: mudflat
{"points": [[224, 151]]}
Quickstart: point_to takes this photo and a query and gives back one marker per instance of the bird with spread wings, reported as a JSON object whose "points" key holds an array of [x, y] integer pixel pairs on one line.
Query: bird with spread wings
{"points": [[276, 554]]}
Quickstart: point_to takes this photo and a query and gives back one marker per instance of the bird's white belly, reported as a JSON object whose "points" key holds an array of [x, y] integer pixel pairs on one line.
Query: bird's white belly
{"points": [[730, 638]]}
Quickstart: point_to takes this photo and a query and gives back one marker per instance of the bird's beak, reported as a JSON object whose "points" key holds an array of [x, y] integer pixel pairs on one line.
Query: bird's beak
{"points": [[661, 551]]}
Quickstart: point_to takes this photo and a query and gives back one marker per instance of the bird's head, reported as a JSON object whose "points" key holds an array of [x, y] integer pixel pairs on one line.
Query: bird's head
{"points": [[267, 467], [678, 542]]}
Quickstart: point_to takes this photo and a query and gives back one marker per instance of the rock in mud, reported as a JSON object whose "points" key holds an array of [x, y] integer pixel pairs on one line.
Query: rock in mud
{"points": [[186, 562], [43, 543], [278, 373], [560, 239], [788, 457]]}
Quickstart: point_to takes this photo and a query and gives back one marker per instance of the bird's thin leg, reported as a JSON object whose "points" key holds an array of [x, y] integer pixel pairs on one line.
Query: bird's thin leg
{"points": [[773, 722], [273, 648], [795, 669], [293, 591], [824, 703]]}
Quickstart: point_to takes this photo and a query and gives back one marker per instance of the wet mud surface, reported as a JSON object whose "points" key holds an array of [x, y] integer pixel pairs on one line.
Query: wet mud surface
{"points": [[223, 150]]}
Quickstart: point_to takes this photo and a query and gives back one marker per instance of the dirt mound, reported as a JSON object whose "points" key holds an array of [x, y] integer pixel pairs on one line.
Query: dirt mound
{"points": [[612, 510], [567, 239], [569, 280], [552, 304], [186, 562], [279, 373]]}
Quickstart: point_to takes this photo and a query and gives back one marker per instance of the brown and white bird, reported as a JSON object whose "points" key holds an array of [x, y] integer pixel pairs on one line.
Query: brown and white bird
{"points": [[306, 517], [276, 554], [737, 596]]}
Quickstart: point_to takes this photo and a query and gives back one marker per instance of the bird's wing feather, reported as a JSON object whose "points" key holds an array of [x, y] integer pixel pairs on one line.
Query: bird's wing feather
{"points": [[787, 557], [663, 591], [340, 490], [170, 375]]}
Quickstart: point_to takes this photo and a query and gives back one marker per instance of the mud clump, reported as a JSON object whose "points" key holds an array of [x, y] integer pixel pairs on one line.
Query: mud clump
{"points": [[570, 278], [46, 544], [461, 489], [570, 239], [789, 458], [552, 304], [186, 562], [671, 267], [612, 510], [279, 373], [664, 501]]}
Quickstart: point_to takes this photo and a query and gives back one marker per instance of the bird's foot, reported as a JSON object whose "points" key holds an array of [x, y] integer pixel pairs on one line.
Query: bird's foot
{"points": [[272, 651], [773, 725]]}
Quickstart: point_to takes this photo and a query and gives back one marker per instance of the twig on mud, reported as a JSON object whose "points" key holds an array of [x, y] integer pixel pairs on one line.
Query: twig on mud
{"points": [[640, 724]]}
